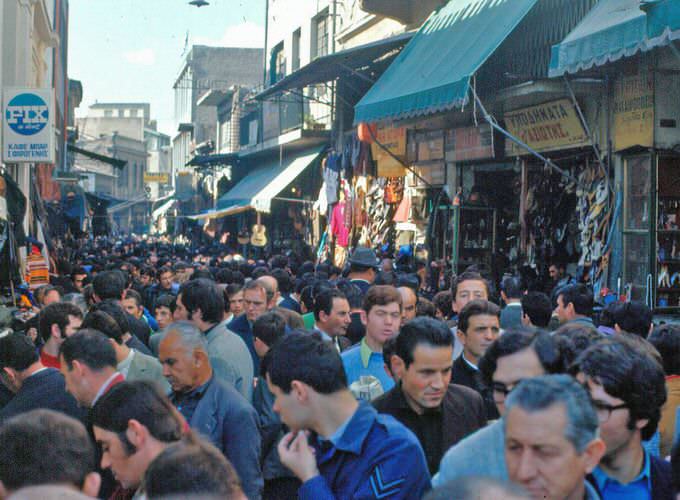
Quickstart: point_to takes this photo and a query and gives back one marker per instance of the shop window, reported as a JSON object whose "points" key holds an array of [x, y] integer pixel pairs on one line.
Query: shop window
{"points": [[320, 35], [295, 63]]}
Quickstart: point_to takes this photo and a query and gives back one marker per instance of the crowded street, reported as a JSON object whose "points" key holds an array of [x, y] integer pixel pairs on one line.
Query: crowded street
{"points": [[340, 249]]}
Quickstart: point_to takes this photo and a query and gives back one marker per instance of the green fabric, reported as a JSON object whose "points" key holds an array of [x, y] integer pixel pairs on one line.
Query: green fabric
{"points": [[308, 319], [365, 352], [433, 71], [257, 189], [614, 29]]}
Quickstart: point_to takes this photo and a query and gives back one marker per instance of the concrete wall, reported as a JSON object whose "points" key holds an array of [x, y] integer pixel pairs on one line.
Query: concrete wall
{"points": [[98, 126]]}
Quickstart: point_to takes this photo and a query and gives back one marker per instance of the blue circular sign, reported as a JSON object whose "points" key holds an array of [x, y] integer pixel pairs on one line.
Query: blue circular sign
{"points": [[27, 114]]}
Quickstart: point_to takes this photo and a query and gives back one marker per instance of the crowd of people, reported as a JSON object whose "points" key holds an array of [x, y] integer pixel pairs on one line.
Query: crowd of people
{"points": [[155, 371]]}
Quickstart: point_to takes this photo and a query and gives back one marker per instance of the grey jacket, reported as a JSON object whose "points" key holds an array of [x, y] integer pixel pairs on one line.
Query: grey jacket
{"points": [[480, 453], [145, 367], [231, 359], [230, 423]]}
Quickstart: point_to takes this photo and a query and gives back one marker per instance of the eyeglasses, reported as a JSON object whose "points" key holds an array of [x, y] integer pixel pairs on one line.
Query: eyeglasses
{"points": [[604, 411], [501, 390]]}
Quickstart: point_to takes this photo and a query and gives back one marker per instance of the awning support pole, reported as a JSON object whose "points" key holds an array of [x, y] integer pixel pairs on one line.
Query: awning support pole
{"points": [[583, 120], [491, 121]]}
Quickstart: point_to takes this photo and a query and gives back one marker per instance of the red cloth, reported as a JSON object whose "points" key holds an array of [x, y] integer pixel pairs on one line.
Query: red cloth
{"points": [[338, 228], [49, 361]]}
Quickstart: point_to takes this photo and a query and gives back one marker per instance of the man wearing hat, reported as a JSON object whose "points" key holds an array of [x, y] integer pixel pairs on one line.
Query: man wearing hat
{"points": [[363, 265]]}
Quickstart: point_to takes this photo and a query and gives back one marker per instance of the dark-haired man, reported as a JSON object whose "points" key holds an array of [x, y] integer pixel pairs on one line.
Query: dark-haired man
{"points": [[35, 386], [363, 266], [382, 318], [478, 328], [574, 304], [627, 388], [666, 339], [56, 322], [465, 287], [133, 423], [536, 310], [44, 447], [633, 317], [331, 317], [200, 302], [209, 405], [354, 452], [511, 293], [515, 356], [439, 414]]}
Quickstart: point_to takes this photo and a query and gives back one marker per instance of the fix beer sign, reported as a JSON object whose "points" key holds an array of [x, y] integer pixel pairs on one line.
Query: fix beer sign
{"points": [[27, 126]]}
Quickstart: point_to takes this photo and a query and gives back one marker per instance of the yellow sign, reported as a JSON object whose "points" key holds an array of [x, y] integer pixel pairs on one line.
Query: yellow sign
{"points": [[634, 110], [160, 178], [547, 127], [394, 140]]}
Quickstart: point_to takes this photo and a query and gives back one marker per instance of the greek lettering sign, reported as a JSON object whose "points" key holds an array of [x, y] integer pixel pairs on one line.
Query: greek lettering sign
{"points": [[156, 177], [469, 143], [27, 126], [634, 110], [547, 127]]}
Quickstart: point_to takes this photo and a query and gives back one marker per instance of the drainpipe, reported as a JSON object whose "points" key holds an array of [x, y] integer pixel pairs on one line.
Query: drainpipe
{"points": [[266, 39]]}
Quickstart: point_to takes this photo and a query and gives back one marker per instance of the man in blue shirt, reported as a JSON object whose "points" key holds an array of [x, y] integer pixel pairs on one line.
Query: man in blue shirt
{"points": [[382, 318], [627, 388], [338, 447]]}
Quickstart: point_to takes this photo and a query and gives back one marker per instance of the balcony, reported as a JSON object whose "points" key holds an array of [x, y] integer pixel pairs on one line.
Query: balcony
{"points": [[286, 119], [408, 12]]}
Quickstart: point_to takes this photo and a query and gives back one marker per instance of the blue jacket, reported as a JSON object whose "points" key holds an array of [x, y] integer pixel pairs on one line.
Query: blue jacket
{"points": [[242, 328], [230, 423], [376, 457], [290, 303], [45, 389]]}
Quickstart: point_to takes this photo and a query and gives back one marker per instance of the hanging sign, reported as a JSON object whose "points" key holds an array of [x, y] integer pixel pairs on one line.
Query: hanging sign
{"points": [[394, 140], [161, 178], [27, 126], [634, 110], [546, 127]]}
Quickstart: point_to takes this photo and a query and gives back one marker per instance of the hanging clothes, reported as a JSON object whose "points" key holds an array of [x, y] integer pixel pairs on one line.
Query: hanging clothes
{"points": [[338, 228], [331, 180]]}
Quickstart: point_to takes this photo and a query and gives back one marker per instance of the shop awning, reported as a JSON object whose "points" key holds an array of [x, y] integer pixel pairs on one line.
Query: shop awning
{"points": [[162, 209], [213, 160], [127, 204], [330, 67], [614, 29], [433, 72], [257, 189], [96, 156]]}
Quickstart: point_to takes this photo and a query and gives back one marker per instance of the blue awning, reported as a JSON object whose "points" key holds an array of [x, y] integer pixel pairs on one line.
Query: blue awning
{"points": [[256, 190], [433, 72], [614, 29]]}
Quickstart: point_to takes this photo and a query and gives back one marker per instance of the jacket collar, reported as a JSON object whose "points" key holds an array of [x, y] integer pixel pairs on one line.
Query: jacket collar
{"points": [[357, 429]]}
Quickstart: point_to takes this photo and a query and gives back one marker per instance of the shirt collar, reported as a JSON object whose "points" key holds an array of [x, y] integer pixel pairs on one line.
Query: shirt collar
{"points": [[365, 352], [601, 477], [105, 386], [197, 392], [323, 334], [124, 366], [351, 435], [468, 363]]}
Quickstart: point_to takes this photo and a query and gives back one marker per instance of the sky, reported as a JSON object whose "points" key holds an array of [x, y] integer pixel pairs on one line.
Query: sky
{"points": [[131, 50]]}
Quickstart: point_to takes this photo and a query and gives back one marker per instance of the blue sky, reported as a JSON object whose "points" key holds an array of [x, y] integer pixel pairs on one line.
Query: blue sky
{"points": [[131, 50]]}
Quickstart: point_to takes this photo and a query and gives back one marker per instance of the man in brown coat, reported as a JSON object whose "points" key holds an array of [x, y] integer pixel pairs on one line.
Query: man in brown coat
{"points": [[439, 413]]}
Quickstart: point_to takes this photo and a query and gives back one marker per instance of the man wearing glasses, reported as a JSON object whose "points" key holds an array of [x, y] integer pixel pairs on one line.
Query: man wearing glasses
{"points": [[515, 356], [627, 389]]}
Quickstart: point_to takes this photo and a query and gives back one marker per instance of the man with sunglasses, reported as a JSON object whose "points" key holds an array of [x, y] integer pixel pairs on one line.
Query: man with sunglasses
{"points": [[627, 389], [515, 356]]}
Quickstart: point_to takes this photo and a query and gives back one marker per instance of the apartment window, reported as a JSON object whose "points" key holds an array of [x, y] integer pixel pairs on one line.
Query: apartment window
{"points": [[295, 63], [134, 113], [108, 113], [320, 32], [277, 64]]}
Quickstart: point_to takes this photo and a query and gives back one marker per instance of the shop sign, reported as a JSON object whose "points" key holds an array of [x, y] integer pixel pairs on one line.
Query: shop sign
{"points": [[394, 140], [27, 131], [432, 174], [470, 143], [546, 127], [634, 110], [154, 177]]}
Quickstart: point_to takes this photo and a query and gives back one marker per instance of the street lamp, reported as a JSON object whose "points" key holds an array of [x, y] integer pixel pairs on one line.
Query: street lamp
{"points": [[199, 3]]}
